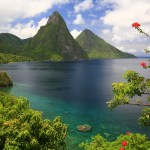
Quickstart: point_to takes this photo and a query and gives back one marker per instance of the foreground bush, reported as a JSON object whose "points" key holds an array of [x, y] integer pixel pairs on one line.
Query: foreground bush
{"points": [[22, 128], [129, 141]]}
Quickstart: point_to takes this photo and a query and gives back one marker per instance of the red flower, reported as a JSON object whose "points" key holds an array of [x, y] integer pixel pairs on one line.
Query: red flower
{"points": [[143, 64], [136, 24], [124, 143], [121, 148], [128, 133]]}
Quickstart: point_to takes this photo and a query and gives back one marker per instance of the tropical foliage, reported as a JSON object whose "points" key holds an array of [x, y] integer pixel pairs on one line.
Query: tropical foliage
{"points": [[129, 141], [23, 128], [6, 58], [136, 85], [124, 92]]}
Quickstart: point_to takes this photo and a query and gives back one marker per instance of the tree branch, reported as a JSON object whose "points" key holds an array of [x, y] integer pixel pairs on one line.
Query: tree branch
{"points": [[145, 93], [140, 104]]}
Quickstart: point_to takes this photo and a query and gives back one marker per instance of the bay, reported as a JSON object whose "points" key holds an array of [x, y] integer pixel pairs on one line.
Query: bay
{"points": [[78, 92]]}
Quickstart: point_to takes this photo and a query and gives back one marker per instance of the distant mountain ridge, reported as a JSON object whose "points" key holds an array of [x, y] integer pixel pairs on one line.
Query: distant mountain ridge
{"points": [[9, 43], [54, 42], [96, 47]]}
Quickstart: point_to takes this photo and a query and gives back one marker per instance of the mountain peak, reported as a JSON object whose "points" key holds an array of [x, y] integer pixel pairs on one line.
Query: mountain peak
{"points": [[54, 41], [96, 47], [89, 34], [87, 31], [55, 18]]}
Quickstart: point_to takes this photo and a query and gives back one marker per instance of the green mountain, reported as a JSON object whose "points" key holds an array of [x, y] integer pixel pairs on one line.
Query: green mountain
{"points": [[96, 47], [10, 44], [54, 42]]}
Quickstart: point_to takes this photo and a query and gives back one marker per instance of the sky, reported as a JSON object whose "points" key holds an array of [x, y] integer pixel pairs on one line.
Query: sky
{"points": [[109, 19]]}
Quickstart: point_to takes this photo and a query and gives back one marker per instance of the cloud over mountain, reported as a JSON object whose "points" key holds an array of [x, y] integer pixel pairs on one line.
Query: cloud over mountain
{"points": [[110, 19]]}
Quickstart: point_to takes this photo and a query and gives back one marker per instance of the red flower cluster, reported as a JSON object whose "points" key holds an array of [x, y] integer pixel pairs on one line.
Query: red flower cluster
{"points": [[143, 64], [128, 133], [124, 143], [136, 24]]}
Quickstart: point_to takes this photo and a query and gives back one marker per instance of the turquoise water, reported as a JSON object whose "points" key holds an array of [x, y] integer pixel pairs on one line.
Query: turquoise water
{"points": [[77, 91]]}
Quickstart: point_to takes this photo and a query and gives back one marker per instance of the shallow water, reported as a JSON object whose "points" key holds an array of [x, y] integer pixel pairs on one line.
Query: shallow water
{"points": [[78, 92]]}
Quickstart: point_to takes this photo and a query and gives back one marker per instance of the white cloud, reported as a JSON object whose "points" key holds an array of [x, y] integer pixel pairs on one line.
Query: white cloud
{"points": [[126, 50], [42, 22], [116, 38], [106, 31], [120, 18], [21, 9], [75, 33], [26, 30], [123, 15], [11, 10], [131, 50], [120, 48], [79, 20], [85, 5]]}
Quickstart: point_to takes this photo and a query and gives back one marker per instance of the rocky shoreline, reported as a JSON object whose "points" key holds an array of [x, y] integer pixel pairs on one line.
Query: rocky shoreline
{"points": [[5, 80]]}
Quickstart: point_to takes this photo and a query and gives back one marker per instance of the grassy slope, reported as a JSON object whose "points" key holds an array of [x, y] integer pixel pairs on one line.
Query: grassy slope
{"points": [[98, 48]]}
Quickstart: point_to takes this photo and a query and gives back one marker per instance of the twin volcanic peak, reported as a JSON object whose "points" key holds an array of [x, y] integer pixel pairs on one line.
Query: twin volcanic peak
{"points": [[54, 42]]}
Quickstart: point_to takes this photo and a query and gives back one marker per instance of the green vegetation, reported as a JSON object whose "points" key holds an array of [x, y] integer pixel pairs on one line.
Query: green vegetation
{"points": [[10, 44], [135, 85], [98, 48], [5, 80], [123, 92], [22, 128], [123, 142], [54, 39], [11, 49], [6, 58], [52, 42]]}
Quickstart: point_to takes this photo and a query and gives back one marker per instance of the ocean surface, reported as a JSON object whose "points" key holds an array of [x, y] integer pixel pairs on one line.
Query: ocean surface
{"points": [[78, 92]]}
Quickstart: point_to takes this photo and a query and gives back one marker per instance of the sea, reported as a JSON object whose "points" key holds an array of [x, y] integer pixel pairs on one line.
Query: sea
{"points": [[78, 91]]}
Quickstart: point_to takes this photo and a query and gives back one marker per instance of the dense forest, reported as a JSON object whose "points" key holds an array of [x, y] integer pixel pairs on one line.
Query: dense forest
{"points": [[6, 58]]}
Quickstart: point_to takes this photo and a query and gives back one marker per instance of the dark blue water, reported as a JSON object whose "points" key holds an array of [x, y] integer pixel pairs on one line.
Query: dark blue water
{"points": [[78, 92]]}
